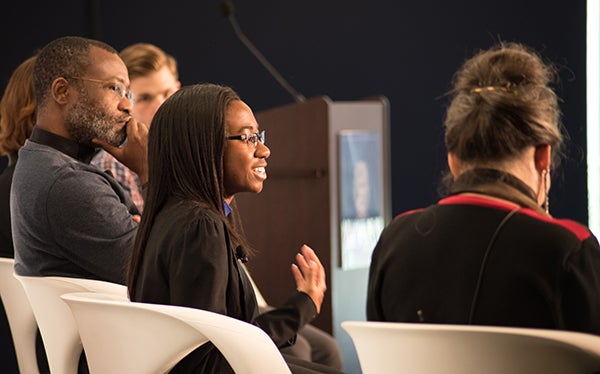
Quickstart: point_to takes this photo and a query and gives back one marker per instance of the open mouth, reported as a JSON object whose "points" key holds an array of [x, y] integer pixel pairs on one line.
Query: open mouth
{"points": [[261, 172]]}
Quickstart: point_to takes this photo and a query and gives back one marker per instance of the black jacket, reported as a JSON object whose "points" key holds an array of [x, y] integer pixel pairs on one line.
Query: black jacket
{"points": [[189, 262], [539, 272]]}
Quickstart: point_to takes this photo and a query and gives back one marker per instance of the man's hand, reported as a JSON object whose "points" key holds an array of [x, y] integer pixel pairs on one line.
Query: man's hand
{"points": [[134, 153]]}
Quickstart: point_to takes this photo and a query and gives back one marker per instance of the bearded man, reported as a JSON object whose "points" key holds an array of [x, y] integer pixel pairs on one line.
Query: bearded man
{"points": [[68, 217]]}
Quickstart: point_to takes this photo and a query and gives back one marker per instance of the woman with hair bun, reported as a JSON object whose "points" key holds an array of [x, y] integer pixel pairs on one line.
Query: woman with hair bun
{"points": [[490, 253]]}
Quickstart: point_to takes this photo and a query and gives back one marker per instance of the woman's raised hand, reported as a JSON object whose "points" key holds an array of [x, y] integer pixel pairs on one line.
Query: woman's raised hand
{"points": [[309, 275]]}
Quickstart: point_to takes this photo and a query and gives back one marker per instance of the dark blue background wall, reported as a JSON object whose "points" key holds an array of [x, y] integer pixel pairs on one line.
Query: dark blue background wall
{"points": [[405, 50]]}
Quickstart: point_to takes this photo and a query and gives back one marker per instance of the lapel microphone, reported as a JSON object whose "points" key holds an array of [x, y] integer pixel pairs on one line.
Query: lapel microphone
{"points": [[240, 254]]}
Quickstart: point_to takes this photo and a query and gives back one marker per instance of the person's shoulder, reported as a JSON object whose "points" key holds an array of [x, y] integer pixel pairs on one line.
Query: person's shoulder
{"points": [[191, 212], [32, 154], [79, 179], [580, 231], [406, 220], [192, 221], [41, 165], [408, 213], [80, 170]]}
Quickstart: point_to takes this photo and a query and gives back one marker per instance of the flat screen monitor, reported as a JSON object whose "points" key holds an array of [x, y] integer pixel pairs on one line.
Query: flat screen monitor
{"points": [[361, 196]]}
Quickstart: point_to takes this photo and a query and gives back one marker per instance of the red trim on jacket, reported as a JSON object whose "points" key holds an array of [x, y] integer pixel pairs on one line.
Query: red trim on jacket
{"points": [[580, 231], [408, 212]]}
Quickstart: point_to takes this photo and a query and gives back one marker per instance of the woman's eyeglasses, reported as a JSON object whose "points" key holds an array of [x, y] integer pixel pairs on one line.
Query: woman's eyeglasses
{"points": [[250, 139]]}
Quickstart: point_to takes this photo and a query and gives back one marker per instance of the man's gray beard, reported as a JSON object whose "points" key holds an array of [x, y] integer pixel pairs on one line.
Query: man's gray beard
{"points": [[86, 121]]}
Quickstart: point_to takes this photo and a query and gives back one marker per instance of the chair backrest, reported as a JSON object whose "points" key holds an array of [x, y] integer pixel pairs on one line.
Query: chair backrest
{"points": [[57, 326], [387, 347], [20, 317], [129, 337]]}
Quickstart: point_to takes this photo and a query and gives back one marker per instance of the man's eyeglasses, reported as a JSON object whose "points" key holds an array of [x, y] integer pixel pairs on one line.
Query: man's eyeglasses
{"points": [[118, 88], [250, 139]]}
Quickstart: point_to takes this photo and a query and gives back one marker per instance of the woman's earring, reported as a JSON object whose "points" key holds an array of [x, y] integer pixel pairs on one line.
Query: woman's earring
{"points": [[546, 204]]}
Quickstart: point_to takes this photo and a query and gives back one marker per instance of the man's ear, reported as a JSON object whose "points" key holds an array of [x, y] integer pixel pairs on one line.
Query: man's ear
{"points": [[60, 91], [542, 157], [454, 164]]}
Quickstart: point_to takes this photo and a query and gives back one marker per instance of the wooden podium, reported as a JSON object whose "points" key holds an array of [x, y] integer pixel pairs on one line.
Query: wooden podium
{"points": [[300, 201]]}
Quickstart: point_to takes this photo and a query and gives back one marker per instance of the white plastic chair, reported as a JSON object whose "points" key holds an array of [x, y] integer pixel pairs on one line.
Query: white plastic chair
{"points": [[130, 337], [415, 348], [21, 320], [57, 326]]}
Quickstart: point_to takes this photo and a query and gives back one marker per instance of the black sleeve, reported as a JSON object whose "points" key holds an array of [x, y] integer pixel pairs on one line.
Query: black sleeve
{"points": [[198, 278], [198, 273], [282, 324], [581, 288]]}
